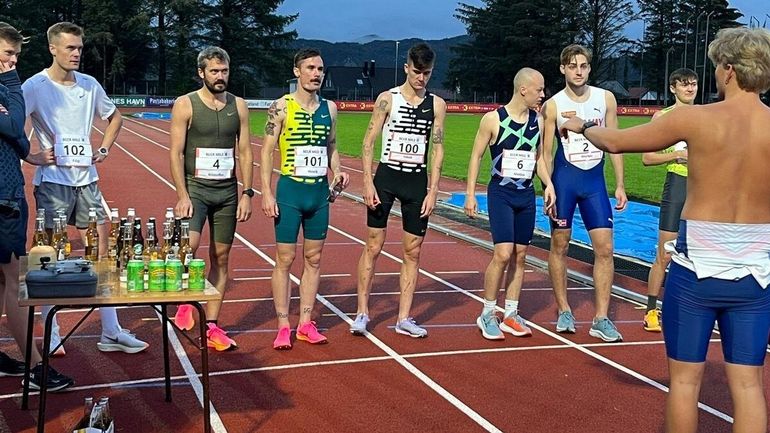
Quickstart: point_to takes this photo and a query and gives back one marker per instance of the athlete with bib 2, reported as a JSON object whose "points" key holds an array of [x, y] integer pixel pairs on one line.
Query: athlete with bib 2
{"points": [[578, 179], [303, 125], [512, 134], [407, 116], [208, 127]]}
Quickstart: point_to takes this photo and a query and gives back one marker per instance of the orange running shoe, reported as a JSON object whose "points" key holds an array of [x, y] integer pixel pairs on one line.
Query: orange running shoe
{"points": [[184, 317], [515, 325], [218, 340], [283, 340], [308, 332]]}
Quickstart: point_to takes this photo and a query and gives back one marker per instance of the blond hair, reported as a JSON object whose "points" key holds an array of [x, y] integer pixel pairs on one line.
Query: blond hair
{"points": [[571, 51], [748, 51]]}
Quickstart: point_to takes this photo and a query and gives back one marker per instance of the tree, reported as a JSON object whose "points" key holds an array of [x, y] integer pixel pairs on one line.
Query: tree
{"points": [[601, 27]]}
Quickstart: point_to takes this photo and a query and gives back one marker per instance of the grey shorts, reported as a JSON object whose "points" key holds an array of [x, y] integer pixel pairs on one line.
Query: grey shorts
{"points": [[74, 201], [218, 205]]}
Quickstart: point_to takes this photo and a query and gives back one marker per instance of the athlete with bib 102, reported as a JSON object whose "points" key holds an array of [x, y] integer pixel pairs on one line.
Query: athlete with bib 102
{"points": [[578, 179], [303, 125]]}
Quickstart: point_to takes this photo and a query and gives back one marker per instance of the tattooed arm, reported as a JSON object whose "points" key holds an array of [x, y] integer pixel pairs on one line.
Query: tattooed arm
{"points": [[379, 117], [436, 156], [334, 154], [275, 117]]}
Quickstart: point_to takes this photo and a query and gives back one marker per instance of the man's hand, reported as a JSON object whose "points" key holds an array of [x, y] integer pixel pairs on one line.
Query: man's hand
{"points": [[371, 199], [6, 66], [269, 206], [428, 204], [98, 158], [243, 213], [183, 208], [44, 157], [574, 124], [3, 110], [621, 201], [549, 202], [681, 156], [471, 205], [342, 179]]}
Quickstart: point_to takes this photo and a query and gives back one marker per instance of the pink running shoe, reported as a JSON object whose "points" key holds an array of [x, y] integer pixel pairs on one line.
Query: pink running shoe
{"points": [[184, 317], [308, 332], [218, 340], [283, 340]]}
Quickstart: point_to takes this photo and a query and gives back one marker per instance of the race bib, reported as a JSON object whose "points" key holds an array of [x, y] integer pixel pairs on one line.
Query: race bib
{"points": [[310, 161], [407, 148], [213, 163], [518, 164], [579, 149], [72, 150]]}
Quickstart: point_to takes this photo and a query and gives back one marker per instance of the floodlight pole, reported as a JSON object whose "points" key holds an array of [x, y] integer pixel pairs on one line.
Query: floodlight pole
{"points": [[695, 43], [395, 67], [705, 50], [665, 78], [686, 37]]}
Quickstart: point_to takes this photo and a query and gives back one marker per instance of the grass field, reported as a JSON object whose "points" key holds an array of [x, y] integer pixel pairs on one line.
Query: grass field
{"points": [[642, 183]]}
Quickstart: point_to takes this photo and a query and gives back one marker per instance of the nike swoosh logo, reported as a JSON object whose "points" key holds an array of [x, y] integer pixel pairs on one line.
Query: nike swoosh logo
{"points": [[230, 114], [532, 128], [81, 96], [425, 111], [324, 116]]}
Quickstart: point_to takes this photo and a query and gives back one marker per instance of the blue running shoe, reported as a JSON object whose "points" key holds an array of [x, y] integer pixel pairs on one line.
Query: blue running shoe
{"points": [[566, 322], [604, 329], [489, 324]]}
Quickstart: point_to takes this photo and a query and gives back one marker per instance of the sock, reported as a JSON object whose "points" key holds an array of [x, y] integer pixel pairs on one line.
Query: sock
{"points": [[489, 306], [511, 307], [214, 321], [55, 336], [652, 302], [110, 326]]}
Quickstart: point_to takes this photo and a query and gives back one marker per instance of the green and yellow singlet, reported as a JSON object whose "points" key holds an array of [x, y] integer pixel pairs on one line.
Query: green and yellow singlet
{"points": [[304, 141], [673, 166]]}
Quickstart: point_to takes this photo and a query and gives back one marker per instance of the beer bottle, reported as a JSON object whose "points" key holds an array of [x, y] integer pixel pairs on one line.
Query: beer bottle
{"points": [[114, 237], [130, 216], [127, 253], [41, 237], [185, 253], [154, 232], [167, 251], [57, 241], [176, 238], [92, 237], [40, 214], [137, 239], [65, 239], [151, 251], [170, 215]]}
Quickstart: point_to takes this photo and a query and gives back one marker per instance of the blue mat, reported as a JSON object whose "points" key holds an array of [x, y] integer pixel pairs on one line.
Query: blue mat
{"points": [[149, 115], [636, 228]]}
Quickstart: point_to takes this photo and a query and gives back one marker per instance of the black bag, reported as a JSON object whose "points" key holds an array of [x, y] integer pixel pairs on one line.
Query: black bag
{"points": [[65, 279]]}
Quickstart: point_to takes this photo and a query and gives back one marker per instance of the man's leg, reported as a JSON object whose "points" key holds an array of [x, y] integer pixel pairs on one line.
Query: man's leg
{"points": [[557, 267], [219, 256], [280, 282], [655, 281], [604, 268], [374, 241], [408, 280], [311, 278], [489, 322], [17, 316], [747, 392], [682, 399]]}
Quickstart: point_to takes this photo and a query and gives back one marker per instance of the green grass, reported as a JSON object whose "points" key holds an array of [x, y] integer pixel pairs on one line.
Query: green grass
{"points": [[642, 182]]}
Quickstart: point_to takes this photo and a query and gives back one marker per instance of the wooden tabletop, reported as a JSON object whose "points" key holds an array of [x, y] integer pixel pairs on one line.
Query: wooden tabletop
{"points": [[110, 291]]}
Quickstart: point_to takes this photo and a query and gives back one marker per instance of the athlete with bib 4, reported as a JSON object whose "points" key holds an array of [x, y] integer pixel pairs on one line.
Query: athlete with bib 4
{"points": [[578, 179], [208, 128], [684, 85], [512, 134], [303, 125], [406, 116]]}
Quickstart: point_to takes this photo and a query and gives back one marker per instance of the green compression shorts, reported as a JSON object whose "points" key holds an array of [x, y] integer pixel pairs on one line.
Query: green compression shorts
{"points": [[302, 204]]}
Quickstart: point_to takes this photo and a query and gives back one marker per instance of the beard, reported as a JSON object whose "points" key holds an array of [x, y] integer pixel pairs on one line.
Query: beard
{"points": [[213, 86]]}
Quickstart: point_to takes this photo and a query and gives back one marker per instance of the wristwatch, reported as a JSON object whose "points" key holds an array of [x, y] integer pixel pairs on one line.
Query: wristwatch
{"points": [[587, 125], [249, 192], [103, 151]]}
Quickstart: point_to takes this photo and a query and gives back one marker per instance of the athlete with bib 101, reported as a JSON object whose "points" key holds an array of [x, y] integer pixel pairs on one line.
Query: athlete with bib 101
{"points": [[578, 179]]}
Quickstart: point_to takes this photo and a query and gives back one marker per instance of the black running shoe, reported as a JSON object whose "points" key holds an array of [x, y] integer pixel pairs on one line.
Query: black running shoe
{"points": [[56, 380], [10, 366]]}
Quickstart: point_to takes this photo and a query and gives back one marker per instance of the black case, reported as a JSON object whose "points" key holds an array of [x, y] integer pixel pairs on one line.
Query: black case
{"points": [[48, 283]]}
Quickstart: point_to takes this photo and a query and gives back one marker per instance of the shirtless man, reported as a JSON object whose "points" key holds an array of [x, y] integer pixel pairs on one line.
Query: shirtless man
{"points": [[721, 262]]}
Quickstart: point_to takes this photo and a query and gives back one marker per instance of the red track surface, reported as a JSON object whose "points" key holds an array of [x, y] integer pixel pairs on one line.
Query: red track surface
{"points": [[452, 381]]}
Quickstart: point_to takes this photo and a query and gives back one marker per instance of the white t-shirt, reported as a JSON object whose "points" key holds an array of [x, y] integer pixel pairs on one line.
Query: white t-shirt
{"points": [[62, 117]]}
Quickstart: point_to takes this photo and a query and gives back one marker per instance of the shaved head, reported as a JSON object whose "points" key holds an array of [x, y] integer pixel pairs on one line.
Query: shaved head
{"points": [[526, 77]]}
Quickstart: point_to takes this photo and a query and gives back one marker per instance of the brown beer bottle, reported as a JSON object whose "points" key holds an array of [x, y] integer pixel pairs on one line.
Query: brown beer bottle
{"points": [[92, 237]]}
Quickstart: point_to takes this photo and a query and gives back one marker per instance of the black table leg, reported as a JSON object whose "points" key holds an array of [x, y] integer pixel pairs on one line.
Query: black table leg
{"points": [[28, 357], [203, 347], [166, 362], [44, 373]]}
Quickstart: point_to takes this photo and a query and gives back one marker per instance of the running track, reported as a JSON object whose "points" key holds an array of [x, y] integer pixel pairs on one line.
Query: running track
{"points": [[453, 381]]}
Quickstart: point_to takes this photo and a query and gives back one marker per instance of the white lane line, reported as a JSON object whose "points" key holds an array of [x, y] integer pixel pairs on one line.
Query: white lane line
{"points": [[548, 332], [473, 415], [456, 272], [251, 278], [216, 421]]}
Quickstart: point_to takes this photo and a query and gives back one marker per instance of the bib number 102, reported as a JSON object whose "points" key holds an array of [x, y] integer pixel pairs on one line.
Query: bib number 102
{"points": [[74, 149]]}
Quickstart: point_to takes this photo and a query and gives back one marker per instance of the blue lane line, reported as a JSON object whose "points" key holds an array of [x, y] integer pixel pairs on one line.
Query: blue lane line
{"points": [[636, 228]]}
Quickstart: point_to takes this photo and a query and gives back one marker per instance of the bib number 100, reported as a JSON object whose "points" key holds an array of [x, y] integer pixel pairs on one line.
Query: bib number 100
{"points": [[409, 148]]}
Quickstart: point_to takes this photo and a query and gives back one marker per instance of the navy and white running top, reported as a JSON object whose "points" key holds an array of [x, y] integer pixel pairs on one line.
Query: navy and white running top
{"points": [[514, 151], [576, 149], [406, 134]]}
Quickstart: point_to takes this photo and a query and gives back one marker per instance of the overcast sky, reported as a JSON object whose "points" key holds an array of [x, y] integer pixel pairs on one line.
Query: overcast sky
{"points": [[351, 20]]}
